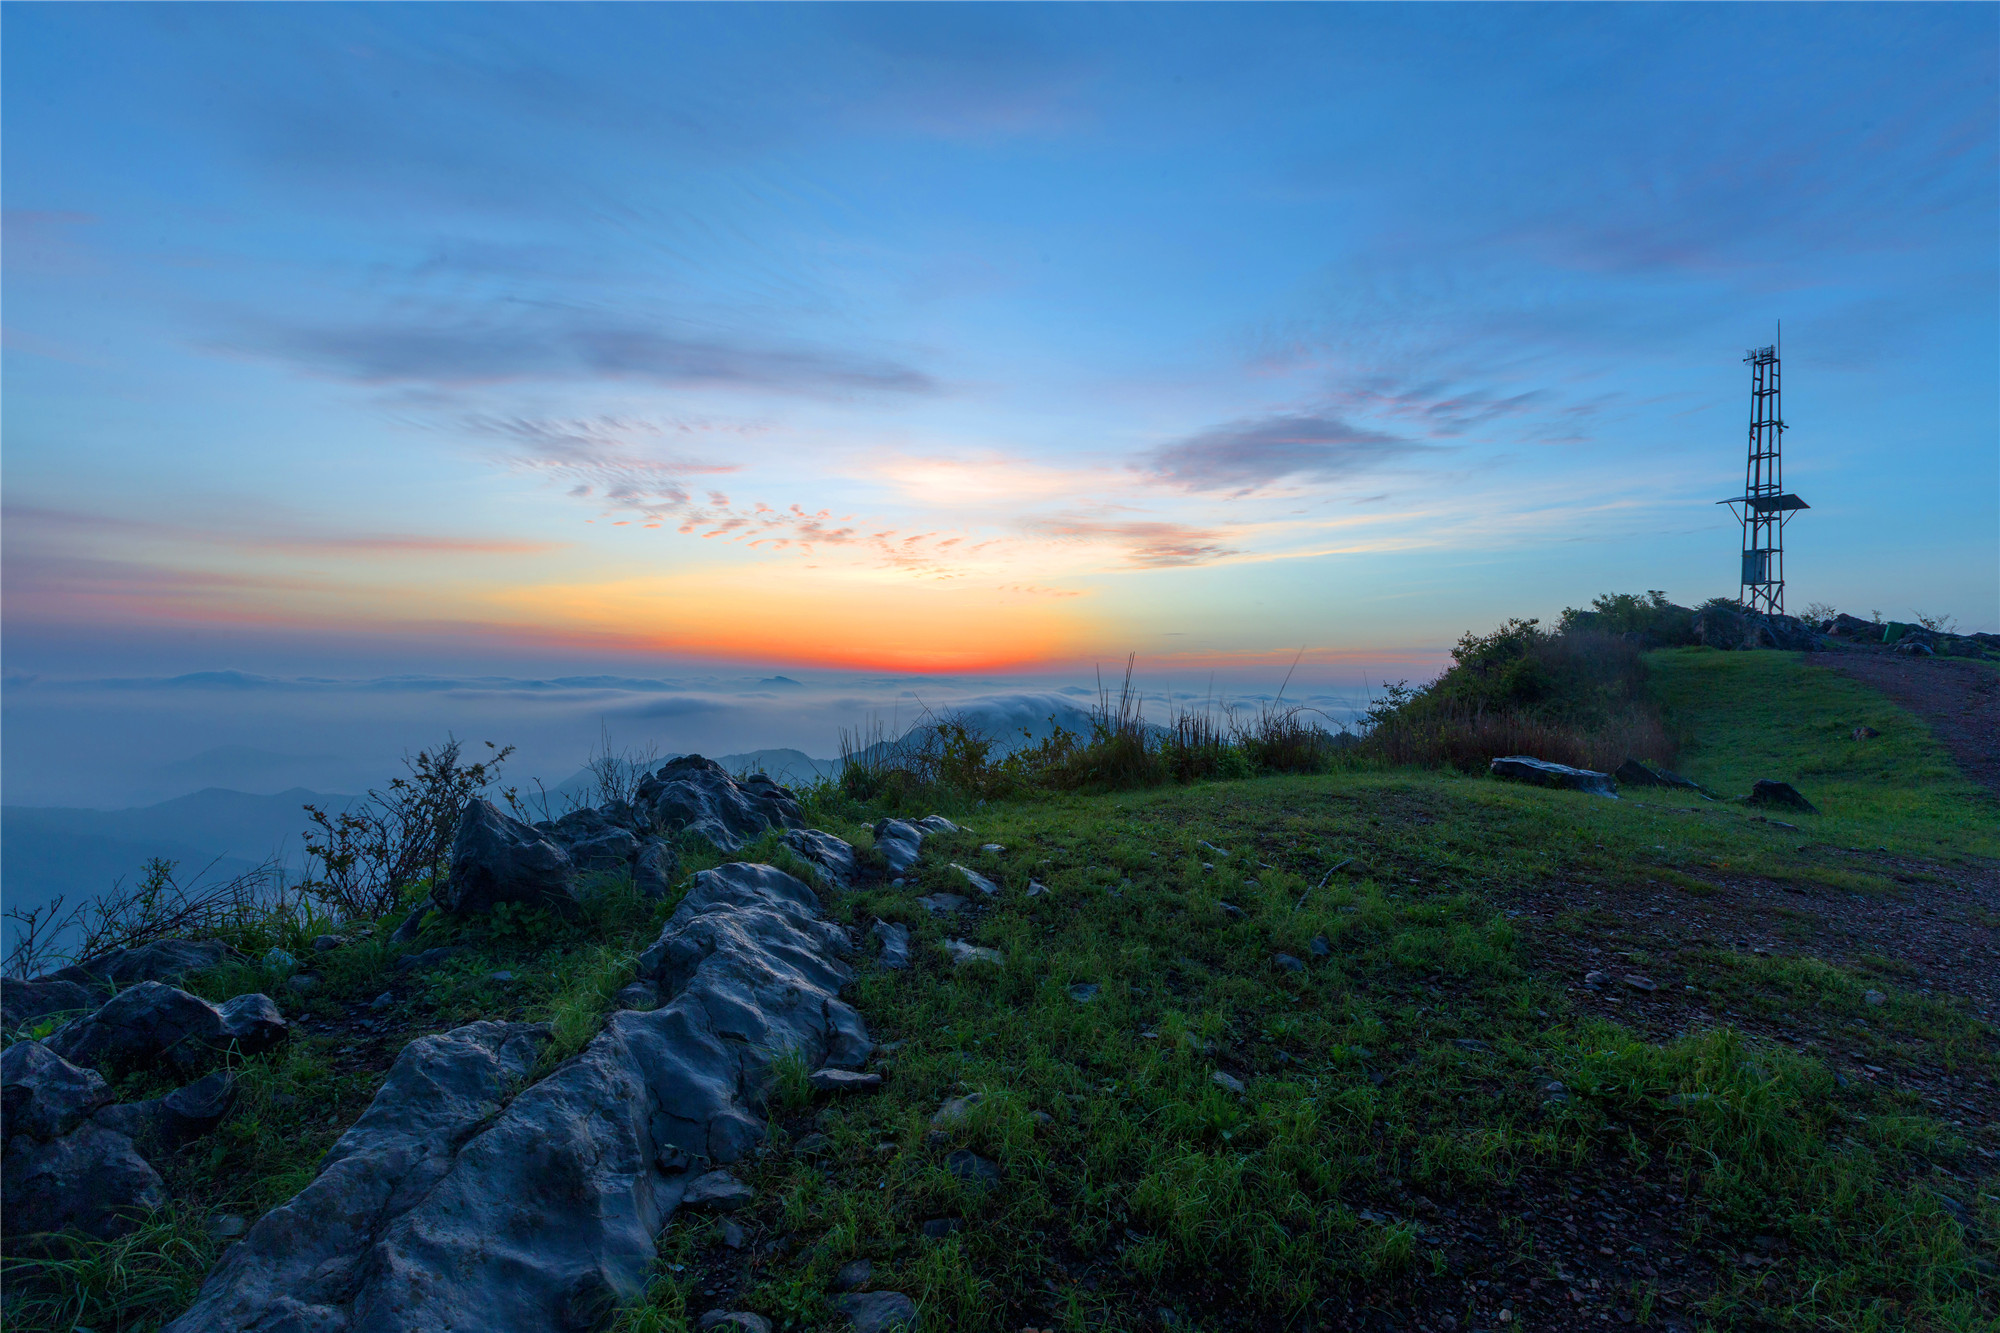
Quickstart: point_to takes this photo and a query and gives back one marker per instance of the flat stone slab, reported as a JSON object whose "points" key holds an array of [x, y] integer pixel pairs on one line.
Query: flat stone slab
{"points": [[1542, 773], [843, 1080], [977, 880]]}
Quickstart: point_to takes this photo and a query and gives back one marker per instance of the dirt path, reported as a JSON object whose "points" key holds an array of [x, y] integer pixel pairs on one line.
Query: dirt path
{"points": [[1959, 700]]}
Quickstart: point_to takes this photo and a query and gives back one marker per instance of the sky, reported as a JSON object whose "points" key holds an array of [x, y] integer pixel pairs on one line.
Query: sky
{"points": [[952, 348]]}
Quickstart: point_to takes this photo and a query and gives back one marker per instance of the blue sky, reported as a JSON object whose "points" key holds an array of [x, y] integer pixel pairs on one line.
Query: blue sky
{"points": [[359, 339]]}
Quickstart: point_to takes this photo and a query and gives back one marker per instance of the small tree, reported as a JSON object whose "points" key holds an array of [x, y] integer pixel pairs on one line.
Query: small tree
{"points": [[363, 858]]}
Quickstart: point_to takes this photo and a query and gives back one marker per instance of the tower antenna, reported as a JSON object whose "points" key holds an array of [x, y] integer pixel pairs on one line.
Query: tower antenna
{"points": [[1766, 505]]}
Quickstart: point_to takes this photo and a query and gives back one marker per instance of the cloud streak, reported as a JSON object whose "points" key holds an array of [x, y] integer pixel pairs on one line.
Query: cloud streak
{"points": [[1253, 455]]}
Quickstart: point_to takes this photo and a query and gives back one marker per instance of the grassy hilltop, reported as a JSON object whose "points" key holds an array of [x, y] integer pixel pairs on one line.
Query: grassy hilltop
{"points": [[1381, 1046]]}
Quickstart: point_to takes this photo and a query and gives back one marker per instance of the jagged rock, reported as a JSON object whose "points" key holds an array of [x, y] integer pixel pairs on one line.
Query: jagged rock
{"points": [[1733, 627], [182, 1116], [856, 1273], [943, 904], [977, 880], [733, 1321], [654, 868], [613, 849], [1524, 768], [843, 1080], [153, 1023], [83, 986], [877, 1311], [1227, 1082], [964, 952], [542, 1213], [1286, 962], [498, 859], [43, 1095], [895, 943], [305, 1259], [832, 859], [1036, 888], [413, 924], [717, 1191], [697, 795], [899, 841], [1321, 947], [1782, 794], [24, 1001], [640, 995], [161, 960], [91, 1180], [1632, 773], [326, 943]]}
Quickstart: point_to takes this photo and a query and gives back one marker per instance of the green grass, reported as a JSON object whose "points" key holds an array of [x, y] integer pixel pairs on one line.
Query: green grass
{"points": [[1770, 715], [1400, 1077]]}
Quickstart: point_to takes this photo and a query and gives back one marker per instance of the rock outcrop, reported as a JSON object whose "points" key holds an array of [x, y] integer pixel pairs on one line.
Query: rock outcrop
{"points": [[43, 1095], [91, 1180], [1525, 768], [833, 859], [1632, 773], [900, 840], [448, 1206], [697, 795], [498, 859], [1720, 625], [153, 1023], [83, 986], [161, 1124]]}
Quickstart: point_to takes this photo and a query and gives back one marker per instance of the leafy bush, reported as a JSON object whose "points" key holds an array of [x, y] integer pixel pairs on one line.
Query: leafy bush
{"points": [[366, 856]]}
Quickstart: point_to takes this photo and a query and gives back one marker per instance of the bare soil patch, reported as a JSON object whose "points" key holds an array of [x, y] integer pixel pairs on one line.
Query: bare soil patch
{"points": [[1959, 700]]}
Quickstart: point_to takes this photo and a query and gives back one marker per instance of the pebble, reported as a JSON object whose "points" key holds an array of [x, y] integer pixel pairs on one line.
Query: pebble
{"points": [[1289, 963], [973, 1169], [325, 943], [941, 903], [382, 1001], [963, 952], [1593, 978], [278, 960], [1321, 947], [957, 1111], [1875, 997], [1084, 991], [227, 1226], [1227, 1082], [843, 1080], [878, 1311], [1036, 888], [1638, 982], [1470, 1044], [855, 1273], [734, 1236], [733, 1321], [991, 848], [718, 1191], [940, 1227], [1230, 910], [303, 984], [500, 978], [977, 880]]}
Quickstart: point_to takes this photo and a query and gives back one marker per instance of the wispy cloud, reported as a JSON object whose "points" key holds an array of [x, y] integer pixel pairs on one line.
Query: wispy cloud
{"points": [[1148, 543], [1246, 456], [544, 343]]}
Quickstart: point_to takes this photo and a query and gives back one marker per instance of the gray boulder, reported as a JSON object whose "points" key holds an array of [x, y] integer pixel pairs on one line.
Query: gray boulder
{"points": [[1732, 627], [1525, 768], [542, 1213], [655, 868], [163, 1124], [90, 1180], [895, 939], [977, 880], [1782, 795], [153, 1023], [44, 1096], [498, 859], [1632, 773], [832, 859], [697, 795], [899, 841], [304, 1263], [877, 1311], [613, 849], [24, 1001]]}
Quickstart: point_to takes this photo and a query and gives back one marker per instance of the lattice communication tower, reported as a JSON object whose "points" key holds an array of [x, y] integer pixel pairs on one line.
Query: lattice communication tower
{"points": [[1766, 505]]}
